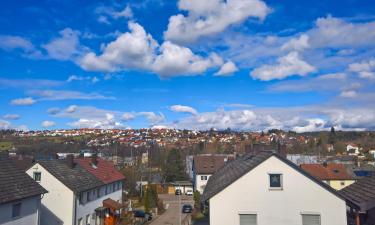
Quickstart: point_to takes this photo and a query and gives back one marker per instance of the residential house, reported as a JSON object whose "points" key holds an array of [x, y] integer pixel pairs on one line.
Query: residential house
{"points": [[352, 149], [20, 196], [204, 166], [335, 175], [268, 189], [361, 200], [81, 191]]}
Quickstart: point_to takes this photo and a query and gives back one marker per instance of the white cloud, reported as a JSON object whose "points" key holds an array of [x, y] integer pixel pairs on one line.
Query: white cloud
{"points": [[227, 69], [23, 101], [65, 47], [315, 124], [152, 117], [55, 95], [11, 116], [8, 43], [205, 18], [47, 124], [126, 13], [297, 44], [348, 94], [288, 65], [4, 125], [71, 109], [138, 50], [82, 78], [184, 109], [103, 19], [29, 83], [128, 116], [365, 69], [53, 111]]}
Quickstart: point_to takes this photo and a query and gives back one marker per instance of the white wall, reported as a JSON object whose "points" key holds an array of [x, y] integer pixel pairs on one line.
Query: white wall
{"points": [[199, 183], [89, 207], [29, 212], [251, 194], [57, 204]]}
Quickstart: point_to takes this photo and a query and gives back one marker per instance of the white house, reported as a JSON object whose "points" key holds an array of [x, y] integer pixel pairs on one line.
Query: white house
{"points": [[81, 191], [19, 196], [204, 166], [267, 189], [352, 149]]}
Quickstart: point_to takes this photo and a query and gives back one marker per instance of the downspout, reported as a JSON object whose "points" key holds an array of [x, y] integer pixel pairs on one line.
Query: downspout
{"points": [[75, 209], [357, 219]]}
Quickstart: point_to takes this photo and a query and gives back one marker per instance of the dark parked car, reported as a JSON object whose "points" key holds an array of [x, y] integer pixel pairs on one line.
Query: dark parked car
{"points": [[177, 192], [187, 208], [142, 214]]}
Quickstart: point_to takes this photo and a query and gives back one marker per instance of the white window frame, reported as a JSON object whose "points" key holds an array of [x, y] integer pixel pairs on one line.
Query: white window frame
{"points": [[40, 176], [311, 214], [247, 213]]}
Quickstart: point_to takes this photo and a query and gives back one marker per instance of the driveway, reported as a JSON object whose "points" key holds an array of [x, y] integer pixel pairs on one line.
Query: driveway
{"points": [[172, 213]]}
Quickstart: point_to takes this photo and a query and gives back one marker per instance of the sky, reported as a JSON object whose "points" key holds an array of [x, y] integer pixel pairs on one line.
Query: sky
{"points": [[189, 64]]}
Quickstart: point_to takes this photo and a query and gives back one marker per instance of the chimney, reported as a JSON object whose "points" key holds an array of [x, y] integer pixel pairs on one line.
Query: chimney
{"points": [[325, 164], [70, 161], [94, 159]]}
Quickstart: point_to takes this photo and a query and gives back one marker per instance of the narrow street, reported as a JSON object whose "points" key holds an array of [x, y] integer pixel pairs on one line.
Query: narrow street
{"points": [[172, 213]]}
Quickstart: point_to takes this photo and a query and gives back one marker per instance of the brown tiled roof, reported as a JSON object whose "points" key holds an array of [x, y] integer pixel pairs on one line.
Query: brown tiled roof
{"points": [[362, 192], [330, 171], [104, 170], [15, 184], [208, 164]]}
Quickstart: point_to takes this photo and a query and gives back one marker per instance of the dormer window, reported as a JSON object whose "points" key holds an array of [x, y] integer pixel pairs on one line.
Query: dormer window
{"points": [[275, 180]]}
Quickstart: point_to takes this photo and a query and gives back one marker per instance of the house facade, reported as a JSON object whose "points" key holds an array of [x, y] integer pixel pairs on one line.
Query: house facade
{"points": [[78, 190], [333, 174], [268, 189], [20, 196]]}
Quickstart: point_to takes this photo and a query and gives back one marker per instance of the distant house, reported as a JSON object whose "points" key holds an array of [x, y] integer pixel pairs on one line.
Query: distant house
{"points": [[268, 189], [361, 200], [335, 175], [81, 191], [204, 166], [19, 196], [352, 149]]}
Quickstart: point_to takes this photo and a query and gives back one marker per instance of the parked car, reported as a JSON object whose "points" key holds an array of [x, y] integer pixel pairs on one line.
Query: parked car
{"points": [[187, 208], [189, 192], [177, 192], [142, 214]]}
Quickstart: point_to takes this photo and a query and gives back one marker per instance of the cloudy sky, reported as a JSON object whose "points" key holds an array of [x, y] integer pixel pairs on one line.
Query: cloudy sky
{"points": [[243, 64]]}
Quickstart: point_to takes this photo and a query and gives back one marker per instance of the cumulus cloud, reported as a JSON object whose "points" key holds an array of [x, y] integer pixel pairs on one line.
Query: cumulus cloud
{"points": [[205, 18], [297, 44], [288, 65], [11, 116], [71, 109], [315, 124], [8, 43], [348, 94], [23, 101], [137, 50], [365, 69], [184, 109], [4, 125], [227, 69], [152, 117], [47, 124], [108, 122], [65, 47], [128, 116]]}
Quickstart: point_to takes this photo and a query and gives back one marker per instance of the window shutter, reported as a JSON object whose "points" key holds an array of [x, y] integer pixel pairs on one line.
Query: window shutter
{"points": [[310, 219], [248, 219]]}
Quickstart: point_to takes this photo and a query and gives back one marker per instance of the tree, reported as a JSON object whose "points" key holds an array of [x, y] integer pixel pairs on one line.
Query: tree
{"points": [[174, 168], [332, 136]]}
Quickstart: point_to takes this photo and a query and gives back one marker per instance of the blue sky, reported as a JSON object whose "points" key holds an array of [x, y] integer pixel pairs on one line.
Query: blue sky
{"points": [[247, 65]]}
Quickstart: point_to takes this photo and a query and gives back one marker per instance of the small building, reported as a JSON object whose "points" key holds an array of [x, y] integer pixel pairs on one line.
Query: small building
{"points": [[184, 186], [335, 175], [20, 196], [81, 191], [361, 201], [204, 166], [267, 189]]}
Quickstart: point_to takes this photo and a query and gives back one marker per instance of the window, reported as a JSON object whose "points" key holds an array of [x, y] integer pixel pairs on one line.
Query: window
{"points": [[310, 219], [80, 221], [16, 210], [248, 219], [342, 183], [88, 196], [275, 181], [37, 176], [88, 219], [98, 193], [203, 177]]}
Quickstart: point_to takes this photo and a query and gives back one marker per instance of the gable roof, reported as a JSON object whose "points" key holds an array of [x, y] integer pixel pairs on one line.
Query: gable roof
{"points": [[76, 179], [361, 193], [242, 165], [15, 184], [208, 164], [104, 170], [330, 171]]}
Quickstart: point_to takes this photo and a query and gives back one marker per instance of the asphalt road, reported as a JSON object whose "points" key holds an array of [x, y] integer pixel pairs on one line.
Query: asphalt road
{"points": [[172, 215]]}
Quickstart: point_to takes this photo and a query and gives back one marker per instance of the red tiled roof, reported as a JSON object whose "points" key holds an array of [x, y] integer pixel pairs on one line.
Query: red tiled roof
{"points": [[104, 171], [331, 171]]}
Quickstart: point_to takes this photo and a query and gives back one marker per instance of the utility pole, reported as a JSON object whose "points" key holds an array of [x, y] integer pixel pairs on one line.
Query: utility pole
{"points": [[179, 205]]}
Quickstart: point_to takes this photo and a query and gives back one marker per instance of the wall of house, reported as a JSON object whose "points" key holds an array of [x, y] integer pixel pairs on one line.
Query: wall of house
{"points": [[200, 184], [88, 208], [28, 214], [340, 184], [57, 204], [250, 194]]}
